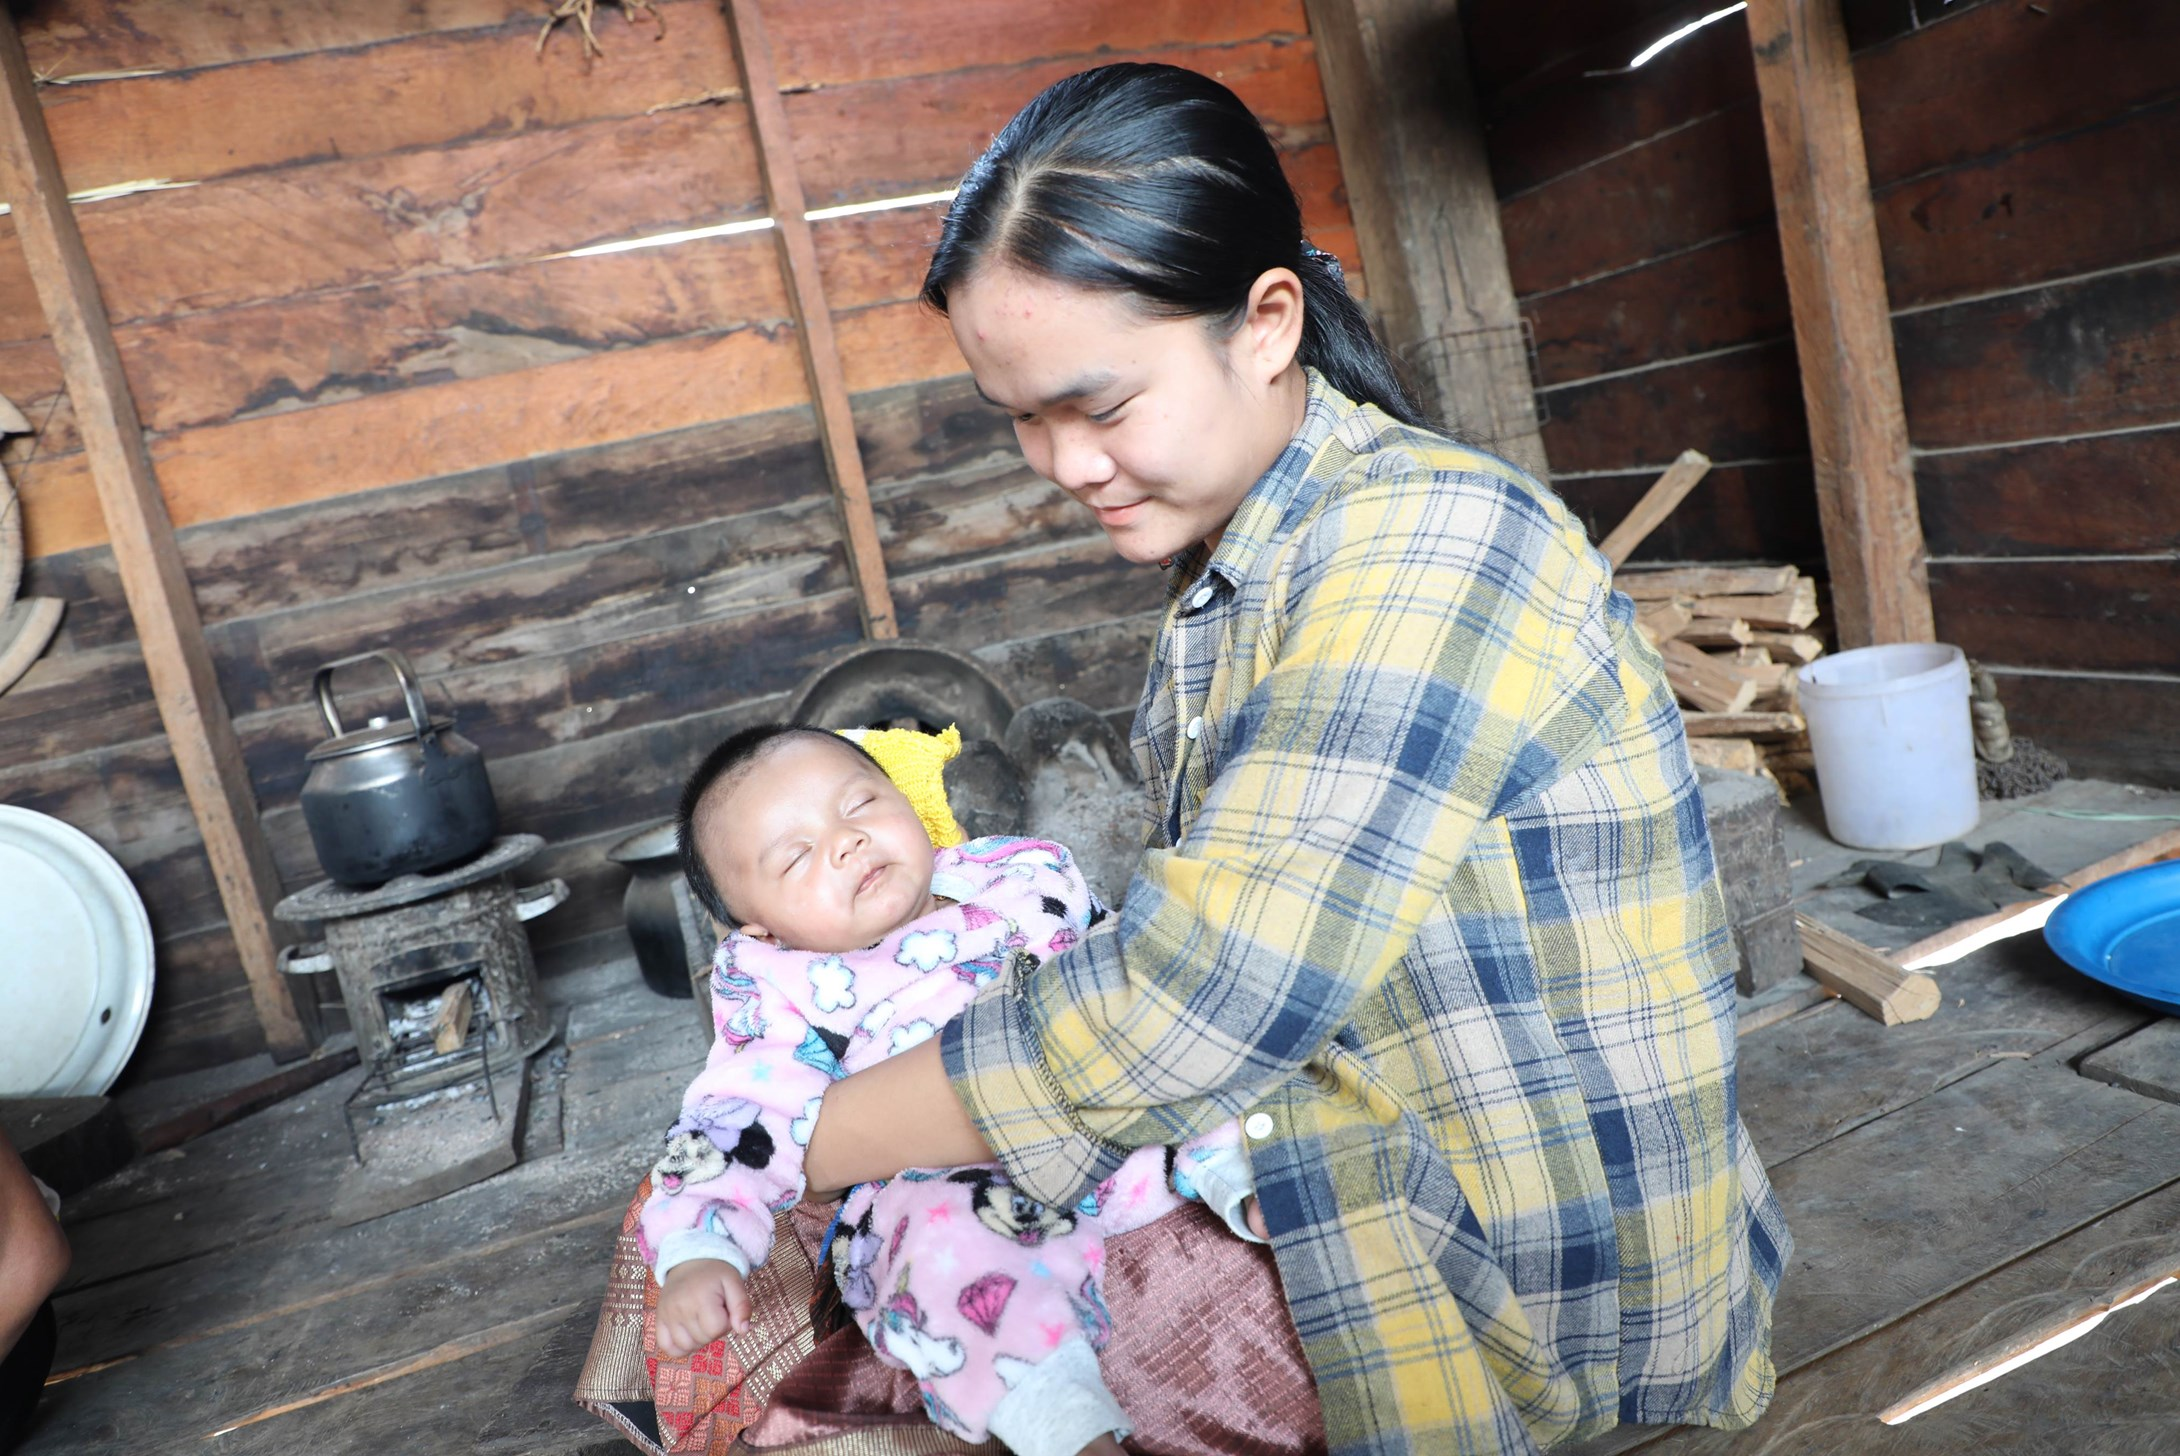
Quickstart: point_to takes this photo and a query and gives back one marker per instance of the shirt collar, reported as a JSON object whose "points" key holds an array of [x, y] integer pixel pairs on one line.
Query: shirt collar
{"points": [[1281, 496]]}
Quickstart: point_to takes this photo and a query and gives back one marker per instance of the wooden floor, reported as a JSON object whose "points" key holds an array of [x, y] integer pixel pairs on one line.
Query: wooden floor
{"points": [[1949, 1183]]}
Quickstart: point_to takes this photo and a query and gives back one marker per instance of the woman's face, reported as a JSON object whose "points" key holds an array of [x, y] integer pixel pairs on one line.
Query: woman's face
{"points": [[1160, 426]]}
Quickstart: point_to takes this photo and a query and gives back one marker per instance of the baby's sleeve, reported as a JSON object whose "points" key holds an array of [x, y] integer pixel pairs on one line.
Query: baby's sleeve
{"points": [[1033, 882], [734, 1158]]}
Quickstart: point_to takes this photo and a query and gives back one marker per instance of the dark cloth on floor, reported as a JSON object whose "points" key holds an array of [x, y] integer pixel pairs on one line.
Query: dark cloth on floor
{"points": [[22, 1376], [1963, 884]]}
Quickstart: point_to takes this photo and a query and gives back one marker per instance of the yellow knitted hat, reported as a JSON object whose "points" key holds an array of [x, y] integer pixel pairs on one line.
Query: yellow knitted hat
{"points": [[914, 762]]}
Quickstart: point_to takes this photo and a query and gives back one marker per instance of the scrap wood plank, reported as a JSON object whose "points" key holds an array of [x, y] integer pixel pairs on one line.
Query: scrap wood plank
{"points": [[1788, 610], [1749, 725], [1705, 684], [1866, 979], [1666, 492], [1717, 632], [1799, 647], [1835, 1403], [1647, 584], [199, 730], [1662, 621], [1955, 941]]}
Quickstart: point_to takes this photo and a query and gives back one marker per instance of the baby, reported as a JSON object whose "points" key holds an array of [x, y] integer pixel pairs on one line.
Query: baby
{"points": [[854, 939]]}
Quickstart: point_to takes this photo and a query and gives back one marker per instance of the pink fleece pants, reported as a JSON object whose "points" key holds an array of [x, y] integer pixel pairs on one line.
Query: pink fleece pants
{"points": [[966, 1282]]}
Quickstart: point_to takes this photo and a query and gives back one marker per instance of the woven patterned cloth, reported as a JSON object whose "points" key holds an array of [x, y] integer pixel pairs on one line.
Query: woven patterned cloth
{"points": [[1204, 1357]]}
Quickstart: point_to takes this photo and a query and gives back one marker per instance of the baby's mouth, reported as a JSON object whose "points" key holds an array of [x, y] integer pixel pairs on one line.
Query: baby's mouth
{"points": [[865, 885]]}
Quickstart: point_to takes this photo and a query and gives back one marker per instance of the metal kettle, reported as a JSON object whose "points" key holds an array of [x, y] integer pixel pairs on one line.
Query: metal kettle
{"points": [[395, 797]]}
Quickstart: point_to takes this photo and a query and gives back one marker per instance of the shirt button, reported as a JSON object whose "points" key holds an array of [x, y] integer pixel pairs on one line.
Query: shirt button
{"points": [[1195, 729], [1203, 594], [1259, 1125]]}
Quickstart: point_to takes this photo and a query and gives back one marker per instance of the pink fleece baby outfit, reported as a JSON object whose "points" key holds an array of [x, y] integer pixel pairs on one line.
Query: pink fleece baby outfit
{"points": [[991, 1299]]}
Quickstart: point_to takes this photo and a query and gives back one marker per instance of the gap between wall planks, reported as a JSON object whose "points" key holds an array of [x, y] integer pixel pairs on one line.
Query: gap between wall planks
{"points": [[198, 728], [813, 315], [1873, 536], [1411, 146]]}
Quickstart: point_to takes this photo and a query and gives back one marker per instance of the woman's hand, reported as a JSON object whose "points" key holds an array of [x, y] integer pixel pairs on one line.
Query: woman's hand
{"points": [[901, 1113]]}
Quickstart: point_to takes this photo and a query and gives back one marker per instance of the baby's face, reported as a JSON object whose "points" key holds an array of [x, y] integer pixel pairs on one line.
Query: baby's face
{"points": [[816, 849]]}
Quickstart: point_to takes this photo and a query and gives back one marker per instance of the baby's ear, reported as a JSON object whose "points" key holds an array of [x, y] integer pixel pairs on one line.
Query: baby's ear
{"points": [[755, 931]]}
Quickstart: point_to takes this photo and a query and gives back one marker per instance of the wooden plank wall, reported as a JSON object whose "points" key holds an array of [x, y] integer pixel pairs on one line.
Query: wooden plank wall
{"points": [[2021, 159], [584, 494]]}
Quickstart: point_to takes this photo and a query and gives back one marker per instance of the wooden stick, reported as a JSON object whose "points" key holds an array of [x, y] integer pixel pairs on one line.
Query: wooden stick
{"points": [[1798, 647], [243, 1101], [198, 728], [1738, 754], [813, 316], [1782, 611], [1864, 978], [1666, 492], [2040, 1339], [1717, 632], [1661, 622], [1858, 441], [1953, 942], [1744, 725], [1647, 584], [450, 1024], [1706, 684]]}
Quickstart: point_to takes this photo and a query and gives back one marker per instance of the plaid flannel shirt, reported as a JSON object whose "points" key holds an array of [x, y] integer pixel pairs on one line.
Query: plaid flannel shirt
{"points": [[1430, 901]]}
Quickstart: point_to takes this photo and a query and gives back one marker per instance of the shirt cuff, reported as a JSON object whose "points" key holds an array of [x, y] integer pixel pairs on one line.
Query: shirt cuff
{"points": [[683, 1245], [1223, 1181], [998, 1070]]}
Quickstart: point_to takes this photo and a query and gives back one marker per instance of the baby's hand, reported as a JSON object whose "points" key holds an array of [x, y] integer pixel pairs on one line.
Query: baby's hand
{"points": [[700, 1301], [1254, 1217]]}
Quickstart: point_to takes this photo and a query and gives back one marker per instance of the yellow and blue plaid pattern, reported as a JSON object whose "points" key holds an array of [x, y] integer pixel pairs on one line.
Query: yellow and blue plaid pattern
{"points": [[1429, 889]]}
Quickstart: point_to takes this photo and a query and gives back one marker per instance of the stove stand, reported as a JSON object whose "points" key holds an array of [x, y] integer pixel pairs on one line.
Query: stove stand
{"points": [[400, 951]]}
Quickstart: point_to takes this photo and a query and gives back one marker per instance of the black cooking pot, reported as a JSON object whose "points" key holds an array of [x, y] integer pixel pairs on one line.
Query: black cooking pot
{"points": [[394, 797]]}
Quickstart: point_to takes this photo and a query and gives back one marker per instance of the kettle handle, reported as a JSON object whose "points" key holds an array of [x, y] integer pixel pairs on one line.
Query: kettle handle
{"points": [[412, 692]]}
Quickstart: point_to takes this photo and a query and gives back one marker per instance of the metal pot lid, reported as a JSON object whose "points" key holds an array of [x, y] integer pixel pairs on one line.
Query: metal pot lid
{"points": [[377, 733], [657, 842]]}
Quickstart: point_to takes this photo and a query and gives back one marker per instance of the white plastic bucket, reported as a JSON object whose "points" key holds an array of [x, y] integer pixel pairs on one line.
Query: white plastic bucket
{"points": [[1896, 761]]}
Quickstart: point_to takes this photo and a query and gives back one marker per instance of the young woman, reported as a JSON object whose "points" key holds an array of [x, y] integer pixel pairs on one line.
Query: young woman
{"points": [[1430, 904]]}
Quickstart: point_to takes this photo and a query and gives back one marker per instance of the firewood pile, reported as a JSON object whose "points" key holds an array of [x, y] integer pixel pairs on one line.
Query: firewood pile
{"points": [[1732, 638]]}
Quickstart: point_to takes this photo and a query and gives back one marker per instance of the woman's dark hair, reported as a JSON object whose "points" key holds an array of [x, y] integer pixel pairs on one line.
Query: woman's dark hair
{"points": [[1156, 181], [735, 756]]}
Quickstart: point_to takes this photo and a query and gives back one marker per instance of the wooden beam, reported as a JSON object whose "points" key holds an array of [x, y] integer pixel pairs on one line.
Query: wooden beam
{"points": [[1412, 155], [1864, 978], [1666, 492], [813, 316], [198, 729], [1873, 535]]}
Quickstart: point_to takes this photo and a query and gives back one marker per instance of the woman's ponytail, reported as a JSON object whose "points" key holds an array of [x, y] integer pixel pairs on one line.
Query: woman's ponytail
{"points": [[1338, 342], [1156, 181]]}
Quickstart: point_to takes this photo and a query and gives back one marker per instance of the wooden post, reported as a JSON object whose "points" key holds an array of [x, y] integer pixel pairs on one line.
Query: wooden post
{"points": [[1419, 185], [167, 625], [813, 316], [1873, 535]]}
